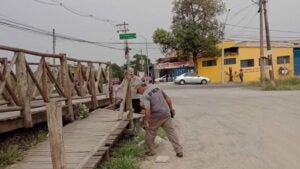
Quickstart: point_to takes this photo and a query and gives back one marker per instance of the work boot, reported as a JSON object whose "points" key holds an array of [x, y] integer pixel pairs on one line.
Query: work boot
{"points": [[150, 153], [180, 155]]}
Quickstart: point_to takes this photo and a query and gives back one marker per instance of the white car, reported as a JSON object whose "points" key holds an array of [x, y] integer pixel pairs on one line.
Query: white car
{"points": [[161, 79], [191, 78]]}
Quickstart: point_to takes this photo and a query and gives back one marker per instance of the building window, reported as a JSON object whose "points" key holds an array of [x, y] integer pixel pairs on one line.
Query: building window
{"points": [[230, 61], [209, 63], [247, 63], [283, 59]]}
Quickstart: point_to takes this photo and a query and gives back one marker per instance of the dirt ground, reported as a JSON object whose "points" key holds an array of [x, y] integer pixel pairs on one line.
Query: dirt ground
{"points": [[233, 128]]}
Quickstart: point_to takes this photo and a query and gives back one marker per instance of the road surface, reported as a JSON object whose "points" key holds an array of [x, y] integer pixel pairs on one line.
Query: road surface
{"points": [[232, 128]]}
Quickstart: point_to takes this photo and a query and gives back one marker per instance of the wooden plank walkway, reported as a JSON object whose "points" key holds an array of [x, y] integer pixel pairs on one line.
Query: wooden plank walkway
{"points": [[86, 142]]}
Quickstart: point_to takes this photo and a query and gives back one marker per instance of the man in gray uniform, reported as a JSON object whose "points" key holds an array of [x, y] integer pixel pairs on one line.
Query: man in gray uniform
{"points": [[157, 107]]}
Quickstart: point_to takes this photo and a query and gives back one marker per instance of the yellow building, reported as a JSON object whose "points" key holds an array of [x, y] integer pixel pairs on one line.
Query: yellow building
{"points": [[245, 56]]}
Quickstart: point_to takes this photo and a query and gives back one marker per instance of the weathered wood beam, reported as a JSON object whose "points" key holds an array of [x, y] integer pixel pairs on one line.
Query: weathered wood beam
{"points": [[54, 121], [53, 80], [46, 99], [92, 86], [22, 86], [66, 84], [28, 52]]}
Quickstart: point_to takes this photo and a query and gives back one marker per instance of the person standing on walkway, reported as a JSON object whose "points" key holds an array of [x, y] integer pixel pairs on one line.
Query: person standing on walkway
{"points": [[157, 107], [134, 80]]}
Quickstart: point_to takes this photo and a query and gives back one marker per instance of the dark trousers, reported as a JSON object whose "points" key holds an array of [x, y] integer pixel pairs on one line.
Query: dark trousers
{"points": [[136, 105]]}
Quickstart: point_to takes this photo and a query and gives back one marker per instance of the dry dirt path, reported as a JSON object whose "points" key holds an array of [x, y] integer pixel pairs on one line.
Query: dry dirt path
{"points": [[233, 128]]}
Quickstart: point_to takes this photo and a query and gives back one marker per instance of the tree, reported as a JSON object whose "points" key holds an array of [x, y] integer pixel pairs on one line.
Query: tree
{"points": [[117, 71], [166, 40], [136, 63], [195, 28]]}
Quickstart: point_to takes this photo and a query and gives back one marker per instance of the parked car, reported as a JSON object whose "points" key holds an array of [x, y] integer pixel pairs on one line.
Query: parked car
{"points": [[191, 78], [161, 79], [116, 81]]}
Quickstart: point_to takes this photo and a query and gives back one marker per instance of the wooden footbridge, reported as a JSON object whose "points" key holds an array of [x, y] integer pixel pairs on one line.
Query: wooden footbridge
{"points": [[38, 87], [29, 80]]}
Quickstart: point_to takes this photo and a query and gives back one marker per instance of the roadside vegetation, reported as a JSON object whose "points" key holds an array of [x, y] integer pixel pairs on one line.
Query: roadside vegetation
{"points": [[284, 84], [129, 152], [14, 144]]}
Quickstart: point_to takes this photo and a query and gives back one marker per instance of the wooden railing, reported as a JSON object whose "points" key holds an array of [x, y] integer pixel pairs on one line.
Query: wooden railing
{"points": [[29, 81]]}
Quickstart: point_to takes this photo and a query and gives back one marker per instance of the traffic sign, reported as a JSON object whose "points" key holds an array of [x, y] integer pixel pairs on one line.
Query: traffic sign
{"points": [[128, 36]]}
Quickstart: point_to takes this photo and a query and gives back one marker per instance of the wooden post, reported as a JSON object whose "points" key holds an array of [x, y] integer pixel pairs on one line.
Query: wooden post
{"points": [[45, 80], [110, 87], [54, 119], [129, 107], [23, 90], [80, 79], [67, 87], [92, 86]]}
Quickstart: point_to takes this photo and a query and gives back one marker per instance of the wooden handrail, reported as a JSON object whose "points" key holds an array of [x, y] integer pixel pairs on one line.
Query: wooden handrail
{"points": [[29, 52]]}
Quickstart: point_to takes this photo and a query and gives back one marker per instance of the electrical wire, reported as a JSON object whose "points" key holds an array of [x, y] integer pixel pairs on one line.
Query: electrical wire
{"points": [[33, 29], [76, 12]]}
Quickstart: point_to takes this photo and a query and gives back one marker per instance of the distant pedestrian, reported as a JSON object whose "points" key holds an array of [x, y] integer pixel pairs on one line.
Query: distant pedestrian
{"points": [[241, 75], [158, 107]]}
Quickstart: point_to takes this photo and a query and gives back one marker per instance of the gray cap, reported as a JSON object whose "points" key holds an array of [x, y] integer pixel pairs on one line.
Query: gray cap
{"points": [[141, 84]]}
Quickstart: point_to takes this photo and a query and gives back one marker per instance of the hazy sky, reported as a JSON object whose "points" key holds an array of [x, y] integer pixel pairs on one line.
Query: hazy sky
{"points": [[95, 20]]}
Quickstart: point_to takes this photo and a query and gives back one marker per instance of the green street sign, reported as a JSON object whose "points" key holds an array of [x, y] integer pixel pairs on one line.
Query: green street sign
{"points": [[128, 36]]}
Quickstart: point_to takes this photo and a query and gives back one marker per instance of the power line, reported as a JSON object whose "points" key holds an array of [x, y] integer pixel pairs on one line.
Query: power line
{"points": [[76, 12], [33, 29], [255, 28]]}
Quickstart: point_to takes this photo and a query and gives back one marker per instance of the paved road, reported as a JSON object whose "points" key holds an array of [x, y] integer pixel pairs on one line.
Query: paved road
{"points": [[233, 128]]}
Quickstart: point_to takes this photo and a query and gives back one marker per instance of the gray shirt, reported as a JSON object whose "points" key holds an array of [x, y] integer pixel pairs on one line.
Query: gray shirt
{"points": [[155, 98]]}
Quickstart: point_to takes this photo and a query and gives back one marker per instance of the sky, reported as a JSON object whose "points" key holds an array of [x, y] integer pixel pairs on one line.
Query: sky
{"points": [[95, 21]]}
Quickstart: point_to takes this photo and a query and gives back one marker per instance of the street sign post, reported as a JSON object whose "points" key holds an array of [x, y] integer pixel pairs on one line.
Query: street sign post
{"points": [[128, 36]]}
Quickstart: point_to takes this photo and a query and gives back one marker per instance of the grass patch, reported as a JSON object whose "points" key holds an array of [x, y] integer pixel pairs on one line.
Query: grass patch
{"points": [[14, 144], [9, 154], [282, 84], [127, 153], [126, 162]]}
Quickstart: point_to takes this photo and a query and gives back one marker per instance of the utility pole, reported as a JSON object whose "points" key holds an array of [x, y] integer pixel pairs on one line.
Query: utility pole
{"points": [[262, 58], [269, 52], [124, 28], [54, 40], [147, 64], [223, 37]]}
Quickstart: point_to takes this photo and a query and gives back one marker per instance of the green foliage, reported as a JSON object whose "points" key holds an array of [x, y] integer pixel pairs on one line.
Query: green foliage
{"points": [[14, 144], [136, 63], [10, 154], [127, 153], [81, 111], [126, 162], [126, 148], [165, 39], [195, 29], [117, 71], [161, 133], [201, 13]]}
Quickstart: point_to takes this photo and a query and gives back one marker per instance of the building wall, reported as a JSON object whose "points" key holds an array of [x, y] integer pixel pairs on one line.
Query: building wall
{"points": [[251, 73]]}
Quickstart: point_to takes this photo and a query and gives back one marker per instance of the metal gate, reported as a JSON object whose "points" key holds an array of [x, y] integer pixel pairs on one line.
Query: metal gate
{"points": [[297, 61]]}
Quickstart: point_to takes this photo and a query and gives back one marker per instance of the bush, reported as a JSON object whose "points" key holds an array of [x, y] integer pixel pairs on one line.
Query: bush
{"points": [[81, 111]]}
